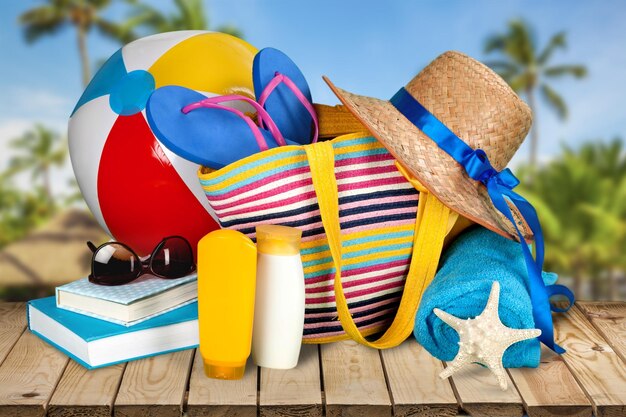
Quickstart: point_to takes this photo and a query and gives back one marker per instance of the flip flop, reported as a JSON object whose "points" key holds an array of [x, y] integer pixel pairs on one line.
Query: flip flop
{"points": [[202, 130], [280, 87]]}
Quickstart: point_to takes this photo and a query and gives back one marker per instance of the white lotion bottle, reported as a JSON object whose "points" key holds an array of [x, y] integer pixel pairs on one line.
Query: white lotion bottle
{"points": [[279, 303]]}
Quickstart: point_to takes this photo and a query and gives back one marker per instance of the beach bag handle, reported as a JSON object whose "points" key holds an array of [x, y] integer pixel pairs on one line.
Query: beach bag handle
{"points": [[431, 226]]}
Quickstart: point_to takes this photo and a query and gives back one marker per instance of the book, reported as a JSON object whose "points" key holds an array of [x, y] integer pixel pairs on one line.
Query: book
{"points": [[130, 303], [96, 343]]}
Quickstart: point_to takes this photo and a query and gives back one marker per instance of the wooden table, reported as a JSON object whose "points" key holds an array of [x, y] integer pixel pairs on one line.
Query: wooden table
{"points": [[340, 379]]}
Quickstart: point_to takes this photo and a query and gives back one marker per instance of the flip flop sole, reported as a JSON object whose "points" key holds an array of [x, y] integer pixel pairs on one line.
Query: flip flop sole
{"points": [[206, 136], [291, 117]]}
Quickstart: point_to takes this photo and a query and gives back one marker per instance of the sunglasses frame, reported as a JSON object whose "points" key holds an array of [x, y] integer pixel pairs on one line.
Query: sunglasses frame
{"points": [[146, 265]]}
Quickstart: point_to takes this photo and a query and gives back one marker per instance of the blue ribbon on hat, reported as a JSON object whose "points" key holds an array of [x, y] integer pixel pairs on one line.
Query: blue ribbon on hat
{"points": [[500, 186]]}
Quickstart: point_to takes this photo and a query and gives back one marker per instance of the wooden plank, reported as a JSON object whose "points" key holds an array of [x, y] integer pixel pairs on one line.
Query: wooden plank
{"points": [[82, 392], [354, 381], [154, 387], [293, 392], [12, 325], [28, 376], [609, 318], [416, 389], [218, 398], [550, 390], [595, 365], [480, 395]]}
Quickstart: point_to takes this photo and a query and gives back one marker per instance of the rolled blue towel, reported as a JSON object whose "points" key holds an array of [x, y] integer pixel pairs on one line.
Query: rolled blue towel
{"points": [[461, 288]]}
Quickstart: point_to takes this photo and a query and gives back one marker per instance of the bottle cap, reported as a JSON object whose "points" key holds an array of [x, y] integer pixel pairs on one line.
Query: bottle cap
{"points": [[224, 372], [278, 240]]}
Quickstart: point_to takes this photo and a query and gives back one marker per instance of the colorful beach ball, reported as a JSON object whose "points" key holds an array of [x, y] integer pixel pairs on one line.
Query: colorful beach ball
{"points": [[139, 191]]}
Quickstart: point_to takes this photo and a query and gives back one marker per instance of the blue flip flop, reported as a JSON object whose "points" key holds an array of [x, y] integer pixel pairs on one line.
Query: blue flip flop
{"points": [[281, 88], [205, 132]]}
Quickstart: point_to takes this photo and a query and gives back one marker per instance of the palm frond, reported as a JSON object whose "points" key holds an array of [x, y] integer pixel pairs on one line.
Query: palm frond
{"points": [[502, 66], [495, 43], [41, 21], [557, 41], [191, 14], [554, 100], [120, 32], [577, 71], [521, 43], [519, 82]]}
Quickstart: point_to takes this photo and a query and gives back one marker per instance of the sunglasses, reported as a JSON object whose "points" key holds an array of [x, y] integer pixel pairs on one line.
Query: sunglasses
{"points": [[114, 263]]}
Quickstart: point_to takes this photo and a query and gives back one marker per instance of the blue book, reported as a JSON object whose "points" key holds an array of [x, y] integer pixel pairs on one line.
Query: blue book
{"points": [[131, 303], [96, 343]]}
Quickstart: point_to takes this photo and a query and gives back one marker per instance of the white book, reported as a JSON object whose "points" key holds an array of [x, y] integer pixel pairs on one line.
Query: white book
{"points": [[128, 304]]}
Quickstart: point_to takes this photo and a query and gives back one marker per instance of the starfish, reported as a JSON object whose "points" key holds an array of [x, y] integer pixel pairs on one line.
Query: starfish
{"points": [[484, 339]]}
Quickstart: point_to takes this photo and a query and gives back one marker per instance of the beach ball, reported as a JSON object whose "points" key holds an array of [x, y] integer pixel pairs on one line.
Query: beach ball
{"points": [[138, 190]]}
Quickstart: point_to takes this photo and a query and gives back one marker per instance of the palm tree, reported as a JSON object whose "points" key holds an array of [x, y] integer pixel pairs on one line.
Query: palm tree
{"points": [[40, 150], [527, 69], [19, 211], [189, 15], [55, 15], [581, 199]]}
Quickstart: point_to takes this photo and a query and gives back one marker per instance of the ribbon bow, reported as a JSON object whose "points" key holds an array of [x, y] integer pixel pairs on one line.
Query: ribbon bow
{"points": [[500, 185]]}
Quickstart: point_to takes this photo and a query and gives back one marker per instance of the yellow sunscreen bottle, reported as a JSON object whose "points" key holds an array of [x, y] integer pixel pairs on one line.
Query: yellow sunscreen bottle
{"points": [[226, 290]]}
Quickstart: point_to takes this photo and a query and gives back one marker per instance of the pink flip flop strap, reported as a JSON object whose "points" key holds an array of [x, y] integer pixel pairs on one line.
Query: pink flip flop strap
{"points": [[262, 114], [211, 105], [282, 78]]}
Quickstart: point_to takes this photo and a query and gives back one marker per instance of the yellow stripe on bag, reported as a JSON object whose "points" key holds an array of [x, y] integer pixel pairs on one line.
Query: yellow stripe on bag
{"points": [[430, 229], [363, 247], [359, 259], [382, 231]]}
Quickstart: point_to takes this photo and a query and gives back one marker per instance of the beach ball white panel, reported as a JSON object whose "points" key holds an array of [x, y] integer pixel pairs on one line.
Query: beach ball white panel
{"points": [[93, 120], [143, 53]]}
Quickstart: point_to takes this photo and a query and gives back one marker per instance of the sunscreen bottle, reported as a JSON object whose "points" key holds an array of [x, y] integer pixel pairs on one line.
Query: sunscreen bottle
{"points": [[226, 288], [279, 307]]}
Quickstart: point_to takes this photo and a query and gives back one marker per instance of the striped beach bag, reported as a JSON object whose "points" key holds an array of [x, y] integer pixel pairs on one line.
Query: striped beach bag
{"points": [[371, 241]]}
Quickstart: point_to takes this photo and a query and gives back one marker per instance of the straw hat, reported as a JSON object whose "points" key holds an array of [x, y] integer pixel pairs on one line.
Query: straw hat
{"points": [[474, 103]]}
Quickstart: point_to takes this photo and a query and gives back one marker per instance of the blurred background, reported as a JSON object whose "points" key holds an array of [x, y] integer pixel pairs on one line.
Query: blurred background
{"points": [[566, 59]]}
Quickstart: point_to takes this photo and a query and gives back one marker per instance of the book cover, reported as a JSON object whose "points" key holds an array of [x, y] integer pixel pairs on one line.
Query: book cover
{"points": [[176, 330], [128, 296], [145, 286]]}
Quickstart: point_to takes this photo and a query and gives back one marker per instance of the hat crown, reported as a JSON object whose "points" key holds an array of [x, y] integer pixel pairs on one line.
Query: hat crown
{"points": [[475, 103]]}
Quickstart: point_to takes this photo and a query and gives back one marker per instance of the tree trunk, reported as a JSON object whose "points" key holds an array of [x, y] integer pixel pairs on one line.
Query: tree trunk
{"points": [[533, 130], [84, 56], [47, 188]]}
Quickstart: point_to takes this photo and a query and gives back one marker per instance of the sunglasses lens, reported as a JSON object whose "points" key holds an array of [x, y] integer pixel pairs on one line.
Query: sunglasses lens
{"points": [[174, 259], [114, 264]]}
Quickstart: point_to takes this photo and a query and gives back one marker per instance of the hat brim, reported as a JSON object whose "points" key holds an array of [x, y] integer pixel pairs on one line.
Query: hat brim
{"points": [[433, 167]]}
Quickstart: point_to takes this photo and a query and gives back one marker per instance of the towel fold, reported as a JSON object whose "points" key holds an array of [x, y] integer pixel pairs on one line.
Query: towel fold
{"points": [[461, 288]]}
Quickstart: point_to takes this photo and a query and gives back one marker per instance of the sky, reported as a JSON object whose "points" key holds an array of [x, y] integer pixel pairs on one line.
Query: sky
{"points": [[367, 47]]}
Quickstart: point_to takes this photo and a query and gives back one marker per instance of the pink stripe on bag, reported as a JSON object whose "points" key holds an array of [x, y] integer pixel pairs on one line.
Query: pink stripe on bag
{"points": [[357, 271], [364, 159], [266, 206], [368, 291], [373, 183], [357, 282], [366, 171], [272, 179], [333, 314], [357, 320]]}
